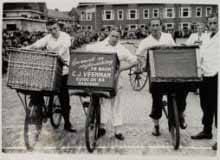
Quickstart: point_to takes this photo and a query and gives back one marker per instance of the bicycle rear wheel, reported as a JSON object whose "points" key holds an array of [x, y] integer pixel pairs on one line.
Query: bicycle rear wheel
{"points": [[33, 122], [55, 111], [137, 78], [174, 125], [92, 125]]}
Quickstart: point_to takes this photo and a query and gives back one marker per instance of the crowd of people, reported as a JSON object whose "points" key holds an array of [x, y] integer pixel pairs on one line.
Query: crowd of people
{"points": [[19, 38]]}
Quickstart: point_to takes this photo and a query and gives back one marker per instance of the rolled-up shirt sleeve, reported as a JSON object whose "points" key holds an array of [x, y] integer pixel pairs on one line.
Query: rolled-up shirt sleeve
{"points": [[126, 55], [41, 43], [142, 48]]}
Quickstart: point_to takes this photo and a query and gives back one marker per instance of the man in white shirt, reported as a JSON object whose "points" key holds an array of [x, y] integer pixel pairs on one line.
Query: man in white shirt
{"points": [[58, 42], [127, 60], [210, 65], [159, 38], [199, 37]]}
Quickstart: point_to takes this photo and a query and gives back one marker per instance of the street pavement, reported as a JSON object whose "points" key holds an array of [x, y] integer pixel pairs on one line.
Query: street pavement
{"points": [[137, 129]]}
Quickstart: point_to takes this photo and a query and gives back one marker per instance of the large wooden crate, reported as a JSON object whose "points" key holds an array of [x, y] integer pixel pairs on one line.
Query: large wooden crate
{"points": [[31, 70], [94, 72], [174, 64]]}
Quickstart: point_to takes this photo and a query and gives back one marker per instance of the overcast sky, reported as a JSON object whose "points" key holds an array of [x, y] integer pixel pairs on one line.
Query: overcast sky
{"points": [[67, 5]]}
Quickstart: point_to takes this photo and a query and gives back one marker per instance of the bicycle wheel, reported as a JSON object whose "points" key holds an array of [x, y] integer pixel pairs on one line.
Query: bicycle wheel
{"points": [[33, 123], [92, 125], [174, 126], [55, 111], [137, 78]]}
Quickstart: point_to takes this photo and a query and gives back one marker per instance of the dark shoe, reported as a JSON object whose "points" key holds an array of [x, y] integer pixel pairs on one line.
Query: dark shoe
{"points": [[156, 131], [183, 124], [101, 132], [68, 127], [214, 147], [202, 135], [119, 136]]}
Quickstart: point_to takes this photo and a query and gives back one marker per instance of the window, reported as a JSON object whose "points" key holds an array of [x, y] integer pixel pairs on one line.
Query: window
{"points": [[132, 26], [169, 26], [108, 26], [89, 28], [142, 26], [108, 15], [132, 14], [82, 16], [185, 26], [156, 13], [146, 14], [88, 16], [120, 15], [185, 12], [24, 15], [36, 17], [169, 13], [208, 11], [198, 12], [11, 27]]}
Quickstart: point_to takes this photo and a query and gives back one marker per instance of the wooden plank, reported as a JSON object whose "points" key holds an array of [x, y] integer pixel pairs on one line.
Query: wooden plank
{"points": [[174, 64]]}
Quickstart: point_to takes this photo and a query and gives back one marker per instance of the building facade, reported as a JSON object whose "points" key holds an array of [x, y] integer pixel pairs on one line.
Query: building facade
{"points": [[24, 16], [62, 17], [138, 15]]}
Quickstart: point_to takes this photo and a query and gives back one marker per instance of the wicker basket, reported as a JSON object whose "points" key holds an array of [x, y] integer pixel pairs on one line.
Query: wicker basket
{"points": [[31, 70]]}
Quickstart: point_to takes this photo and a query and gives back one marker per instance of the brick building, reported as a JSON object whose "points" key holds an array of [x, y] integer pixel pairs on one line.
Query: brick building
{"points": [[138, 15], [24, 16]]}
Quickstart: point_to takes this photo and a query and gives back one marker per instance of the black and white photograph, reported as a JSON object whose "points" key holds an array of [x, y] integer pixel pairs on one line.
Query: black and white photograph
{"points": [[121, 78]]}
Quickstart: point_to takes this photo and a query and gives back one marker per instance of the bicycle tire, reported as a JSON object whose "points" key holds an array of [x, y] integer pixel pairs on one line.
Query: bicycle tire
{"points": [[91, 127], [55, 111], [174, 125], [32, 125], [137, 80]]}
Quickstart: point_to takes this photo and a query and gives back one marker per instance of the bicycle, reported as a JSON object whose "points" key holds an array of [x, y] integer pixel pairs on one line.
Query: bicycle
{"points": [[102, 86], [38, 110], [170, 110], [171, 82], [35, 76], [93, 116], [138, 75]]}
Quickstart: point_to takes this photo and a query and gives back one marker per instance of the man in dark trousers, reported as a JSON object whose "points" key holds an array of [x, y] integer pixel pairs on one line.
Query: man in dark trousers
{"points": [[210, 65], [159, 38], [58, 42]]}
